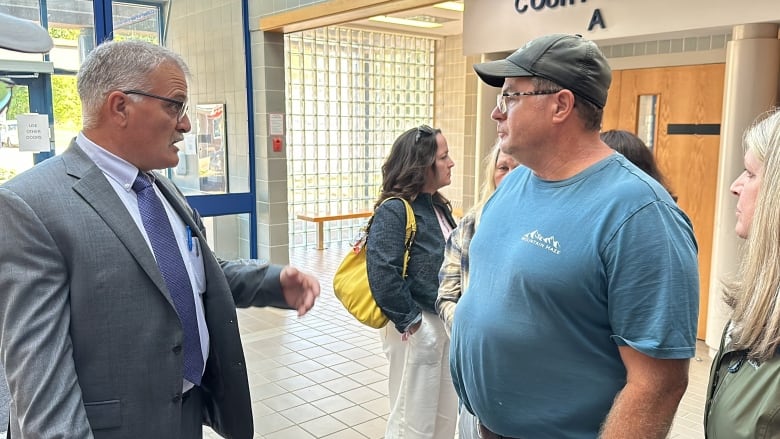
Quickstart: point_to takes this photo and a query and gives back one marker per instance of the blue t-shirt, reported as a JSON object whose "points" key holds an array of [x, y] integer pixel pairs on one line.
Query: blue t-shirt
{"points": [[562, 273]]}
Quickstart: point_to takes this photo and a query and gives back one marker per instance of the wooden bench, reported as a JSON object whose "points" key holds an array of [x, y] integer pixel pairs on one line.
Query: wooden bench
{"points": [[321, 219]]}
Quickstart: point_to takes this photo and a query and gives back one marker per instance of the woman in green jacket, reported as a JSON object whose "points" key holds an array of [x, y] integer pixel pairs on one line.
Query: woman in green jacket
{"points": [[743, 395]]}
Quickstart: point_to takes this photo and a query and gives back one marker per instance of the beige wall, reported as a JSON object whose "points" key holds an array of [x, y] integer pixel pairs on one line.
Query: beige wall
{"points": [[455, 107], [495, 25], [449, 105], [269, 97]]}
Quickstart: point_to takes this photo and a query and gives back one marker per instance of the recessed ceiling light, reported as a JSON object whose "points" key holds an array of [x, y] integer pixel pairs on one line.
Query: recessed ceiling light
{"points": [[450, 6], [405, 21]]}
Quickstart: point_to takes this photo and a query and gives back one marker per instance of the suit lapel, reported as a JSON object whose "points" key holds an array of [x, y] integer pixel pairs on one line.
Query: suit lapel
{"points": [[210, 263], [96, 191], [178, 203]]}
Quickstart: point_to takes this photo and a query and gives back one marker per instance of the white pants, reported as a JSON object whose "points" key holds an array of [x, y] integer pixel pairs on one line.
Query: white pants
{"points": [[423, 402], [468, 428]]}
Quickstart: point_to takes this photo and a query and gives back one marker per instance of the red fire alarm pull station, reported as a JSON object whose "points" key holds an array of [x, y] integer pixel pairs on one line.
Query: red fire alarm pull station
{"points": [[277, 144]]}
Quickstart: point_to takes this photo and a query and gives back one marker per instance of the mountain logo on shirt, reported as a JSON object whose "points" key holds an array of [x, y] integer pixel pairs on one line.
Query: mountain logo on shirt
{"points": [[548, 243]]}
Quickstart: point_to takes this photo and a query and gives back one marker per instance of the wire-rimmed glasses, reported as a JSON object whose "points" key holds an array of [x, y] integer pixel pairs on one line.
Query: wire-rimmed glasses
{"points": [[423, 129], [502, 97], [180, 106]]}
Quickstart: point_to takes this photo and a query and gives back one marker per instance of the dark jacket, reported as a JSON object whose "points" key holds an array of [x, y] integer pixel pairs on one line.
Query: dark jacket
{"points": [[402, 301]]}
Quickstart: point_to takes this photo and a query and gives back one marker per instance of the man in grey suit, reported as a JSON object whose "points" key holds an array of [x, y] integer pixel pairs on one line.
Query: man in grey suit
{"points": [[25, 36], [92, 335]]}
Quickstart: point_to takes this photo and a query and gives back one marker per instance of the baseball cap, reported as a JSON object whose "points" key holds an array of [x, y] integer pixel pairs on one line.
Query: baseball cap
{"points": [[23, 35], [570, 61]]}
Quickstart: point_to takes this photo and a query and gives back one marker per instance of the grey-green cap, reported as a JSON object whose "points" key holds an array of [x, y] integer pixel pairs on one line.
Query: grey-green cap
{"points": [[570, 61]]}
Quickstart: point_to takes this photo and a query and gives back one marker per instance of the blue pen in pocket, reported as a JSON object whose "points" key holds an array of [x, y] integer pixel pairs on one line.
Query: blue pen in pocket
{"points": [[189, 238]]}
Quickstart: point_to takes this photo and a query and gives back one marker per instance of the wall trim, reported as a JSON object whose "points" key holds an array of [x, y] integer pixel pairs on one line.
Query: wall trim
{"points": [[335, 12], [668, 60]]}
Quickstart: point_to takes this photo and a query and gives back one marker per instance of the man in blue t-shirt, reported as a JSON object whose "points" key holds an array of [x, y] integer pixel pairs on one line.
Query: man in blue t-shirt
{"points": [[581, 310]]}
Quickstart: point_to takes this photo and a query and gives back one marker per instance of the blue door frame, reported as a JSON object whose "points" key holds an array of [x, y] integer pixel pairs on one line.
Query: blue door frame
{"points": [[207, 205]]}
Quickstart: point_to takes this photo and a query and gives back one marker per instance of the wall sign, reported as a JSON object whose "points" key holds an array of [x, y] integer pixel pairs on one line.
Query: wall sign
{"points": [[596, 19], [496, 27], [33, 132]]}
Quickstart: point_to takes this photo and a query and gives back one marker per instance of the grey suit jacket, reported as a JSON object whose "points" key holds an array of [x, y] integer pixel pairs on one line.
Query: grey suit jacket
{"points": [[89, 336]]}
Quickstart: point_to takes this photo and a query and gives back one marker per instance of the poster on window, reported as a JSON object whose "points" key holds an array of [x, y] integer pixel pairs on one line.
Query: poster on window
{"points": [[212, 147]]}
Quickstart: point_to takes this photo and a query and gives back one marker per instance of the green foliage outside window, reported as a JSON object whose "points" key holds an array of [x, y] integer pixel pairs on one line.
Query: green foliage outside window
{"points": [[64, 34], [67, 106], [20, 103]]}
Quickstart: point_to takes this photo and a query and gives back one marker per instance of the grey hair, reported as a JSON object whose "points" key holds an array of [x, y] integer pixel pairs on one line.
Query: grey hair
{"points": [[119, 65], [590, 114]]}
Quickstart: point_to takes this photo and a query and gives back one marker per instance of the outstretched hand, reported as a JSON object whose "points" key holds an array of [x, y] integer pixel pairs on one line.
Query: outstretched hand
{"points": [[300, 289]]}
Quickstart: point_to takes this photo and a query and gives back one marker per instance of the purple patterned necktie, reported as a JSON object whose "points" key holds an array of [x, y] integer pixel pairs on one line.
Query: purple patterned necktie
{"points": [[171, 265]]}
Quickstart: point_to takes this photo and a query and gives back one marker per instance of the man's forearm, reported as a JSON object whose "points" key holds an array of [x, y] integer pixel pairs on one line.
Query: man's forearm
{"points": [[639, 412]]}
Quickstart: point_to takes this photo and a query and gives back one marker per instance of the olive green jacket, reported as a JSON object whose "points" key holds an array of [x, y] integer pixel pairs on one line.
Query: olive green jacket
{"points": [[743, 398]]}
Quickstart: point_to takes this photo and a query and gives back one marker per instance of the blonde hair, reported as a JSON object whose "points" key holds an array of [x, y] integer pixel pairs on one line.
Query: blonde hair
{"points": [[488, 185], [754, 293]]}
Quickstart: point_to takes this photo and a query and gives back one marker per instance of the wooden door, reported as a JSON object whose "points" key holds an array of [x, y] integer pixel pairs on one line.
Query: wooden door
{"points": [[687, 141]]}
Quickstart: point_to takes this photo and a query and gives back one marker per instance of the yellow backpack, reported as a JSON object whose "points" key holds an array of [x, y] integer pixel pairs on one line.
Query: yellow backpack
{"points": [[350, 283]]}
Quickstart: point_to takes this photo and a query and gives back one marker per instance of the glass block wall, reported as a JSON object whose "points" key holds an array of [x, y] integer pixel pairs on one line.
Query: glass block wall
{"points": [[351, 92]]}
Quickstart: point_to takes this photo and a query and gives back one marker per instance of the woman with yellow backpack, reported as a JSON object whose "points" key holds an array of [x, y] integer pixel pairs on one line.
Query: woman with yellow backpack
{"points": [[423, 403]]}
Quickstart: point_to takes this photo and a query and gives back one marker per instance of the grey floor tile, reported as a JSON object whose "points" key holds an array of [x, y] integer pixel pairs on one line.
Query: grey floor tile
{"points": [[373, 429], [283, 401], [294, 432], [342, 384], [333, 403], [345, 434], [361, 395], [354, 416], [313, 393], [306, 366], [296, 382], [260, 409], [323, 426], [348, 368], [270, 423], [322, 375], [379, 406], [302, 413]]}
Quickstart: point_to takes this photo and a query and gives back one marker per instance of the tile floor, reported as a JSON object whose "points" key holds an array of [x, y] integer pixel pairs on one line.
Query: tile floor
{"points": [[324, 375]]}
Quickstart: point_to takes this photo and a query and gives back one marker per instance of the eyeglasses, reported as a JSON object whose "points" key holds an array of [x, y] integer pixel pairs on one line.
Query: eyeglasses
{"points": [[423, 129], [180, 106], [502, 97], [6, 93]]}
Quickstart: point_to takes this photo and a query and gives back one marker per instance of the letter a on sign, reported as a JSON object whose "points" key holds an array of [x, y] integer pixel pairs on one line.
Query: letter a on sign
{"points": [[597, 19]]}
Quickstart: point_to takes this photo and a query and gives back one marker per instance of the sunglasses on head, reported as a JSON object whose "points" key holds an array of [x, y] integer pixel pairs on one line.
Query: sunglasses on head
{"points": [[423, 129]]}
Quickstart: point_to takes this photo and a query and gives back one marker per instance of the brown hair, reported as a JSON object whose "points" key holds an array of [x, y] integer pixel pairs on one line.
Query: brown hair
{"points": [[635, 150], [403, 172]]}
